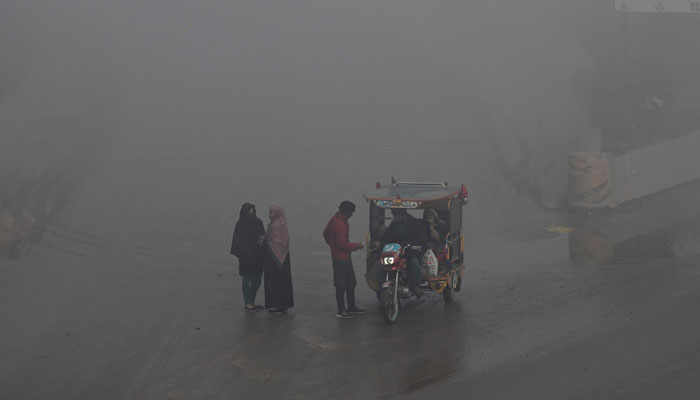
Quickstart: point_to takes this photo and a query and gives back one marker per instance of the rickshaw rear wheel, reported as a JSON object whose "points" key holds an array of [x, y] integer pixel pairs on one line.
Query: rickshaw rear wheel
{"points": [[449, 294]]}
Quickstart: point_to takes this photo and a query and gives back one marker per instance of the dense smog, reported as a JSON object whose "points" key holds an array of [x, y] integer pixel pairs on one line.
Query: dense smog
{"points": [[133, 133]]}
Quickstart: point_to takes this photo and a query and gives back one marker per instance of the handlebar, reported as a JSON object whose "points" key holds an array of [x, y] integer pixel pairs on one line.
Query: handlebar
{"points": [[408, 246]]}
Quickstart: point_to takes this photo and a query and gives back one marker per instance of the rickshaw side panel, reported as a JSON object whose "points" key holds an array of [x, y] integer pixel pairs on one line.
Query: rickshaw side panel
{"points": [[456, 233]]}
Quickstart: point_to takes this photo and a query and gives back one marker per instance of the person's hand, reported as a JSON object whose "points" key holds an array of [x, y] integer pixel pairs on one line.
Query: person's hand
{"points": [[361, 245], [261, 239]]}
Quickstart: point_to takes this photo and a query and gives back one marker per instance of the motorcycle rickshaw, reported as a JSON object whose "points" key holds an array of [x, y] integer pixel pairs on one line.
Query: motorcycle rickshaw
{"points": [[386, 272]]}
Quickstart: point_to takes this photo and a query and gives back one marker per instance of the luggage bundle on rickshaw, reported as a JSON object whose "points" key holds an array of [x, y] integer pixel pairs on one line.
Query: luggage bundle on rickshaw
{"points": [[415, 197]]}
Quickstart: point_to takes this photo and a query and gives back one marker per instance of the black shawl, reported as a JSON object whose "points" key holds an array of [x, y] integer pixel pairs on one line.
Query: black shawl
{"points": [[244, 244]]}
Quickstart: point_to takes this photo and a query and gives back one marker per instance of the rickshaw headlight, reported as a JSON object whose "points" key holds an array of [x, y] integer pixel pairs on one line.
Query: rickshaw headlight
{"points": [[388, 260]]}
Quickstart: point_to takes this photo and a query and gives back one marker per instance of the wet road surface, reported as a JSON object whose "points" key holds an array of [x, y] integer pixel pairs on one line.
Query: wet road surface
{"points": [[131, 294]]}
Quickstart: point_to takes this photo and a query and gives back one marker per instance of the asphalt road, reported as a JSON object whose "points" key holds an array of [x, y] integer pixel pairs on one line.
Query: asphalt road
{"points": [[131, 294]]}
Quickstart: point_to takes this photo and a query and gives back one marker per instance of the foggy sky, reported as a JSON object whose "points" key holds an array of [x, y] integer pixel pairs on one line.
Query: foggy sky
{"points": [[315, 99]]}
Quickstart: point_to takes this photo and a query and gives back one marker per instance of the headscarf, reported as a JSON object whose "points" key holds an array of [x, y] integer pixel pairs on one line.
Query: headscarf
{"points": [[432, 231], [277, 235], [247, 221], [431, 211], [245, 210]]}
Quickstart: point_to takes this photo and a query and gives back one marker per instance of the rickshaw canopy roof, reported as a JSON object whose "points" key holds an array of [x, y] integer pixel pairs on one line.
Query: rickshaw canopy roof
{"points": [[400, 194]]}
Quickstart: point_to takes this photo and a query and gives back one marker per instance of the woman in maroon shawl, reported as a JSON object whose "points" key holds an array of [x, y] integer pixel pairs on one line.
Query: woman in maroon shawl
{"points": [[278, 274]]}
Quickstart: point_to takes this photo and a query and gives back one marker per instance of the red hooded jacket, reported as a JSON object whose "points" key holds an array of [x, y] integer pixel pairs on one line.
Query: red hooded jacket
{"points": [[336, 235]]}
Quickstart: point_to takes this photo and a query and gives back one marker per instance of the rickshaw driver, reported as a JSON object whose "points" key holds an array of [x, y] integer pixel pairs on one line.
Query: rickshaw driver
{"points": [[406, 229]]}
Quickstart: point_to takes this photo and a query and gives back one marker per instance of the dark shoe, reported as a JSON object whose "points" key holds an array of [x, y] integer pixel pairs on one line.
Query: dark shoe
{"points": [[345, 314], [277, 311], [357, 310], [254, 308]]}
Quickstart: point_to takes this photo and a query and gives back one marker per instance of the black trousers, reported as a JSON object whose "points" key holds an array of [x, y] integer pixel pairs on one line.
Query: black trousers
{"points": [[345, 282]]}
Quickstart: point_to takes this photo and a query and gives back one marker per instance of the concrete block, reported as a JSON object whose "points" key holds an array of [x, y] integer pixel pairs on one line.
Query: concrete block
{"points": [[597, 180]]}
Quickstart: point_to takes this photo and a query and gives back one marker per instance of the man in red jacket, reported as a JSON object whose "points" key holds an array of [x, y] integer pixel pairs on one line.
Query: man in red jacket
{"points": [[336, 235]]}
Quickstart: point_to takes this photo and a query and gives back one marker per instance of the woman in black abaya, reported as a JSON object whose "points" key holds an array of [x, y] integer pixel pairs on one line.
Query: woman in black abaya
{"points": [[248, 246]]}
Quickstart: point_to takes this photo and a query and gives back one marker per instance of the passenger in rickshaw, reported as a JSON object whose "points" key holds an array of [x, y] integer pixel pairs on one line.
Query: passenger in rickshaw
{"points": [[436, 230], [378, 232], [405, 229]]}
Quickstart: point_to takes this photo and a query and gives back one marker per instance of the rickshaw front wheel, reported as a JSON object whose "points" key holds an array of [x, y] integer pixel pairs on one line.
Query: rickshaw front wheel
{"points": [[390, 304]]}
